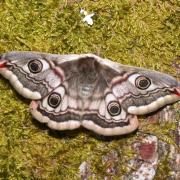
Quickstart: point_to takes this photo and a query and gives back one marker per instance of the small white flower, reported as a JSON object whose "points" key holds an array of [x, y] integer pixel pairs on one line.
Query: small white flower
{"points": [[88, 17]]}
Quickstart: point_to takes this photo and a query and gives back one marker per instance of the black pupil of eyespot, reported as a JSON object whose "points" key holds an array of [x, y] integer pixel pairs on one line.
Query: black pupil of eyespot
{"points": [[54, 100], [143, 83], [35, 66], [114, 109]]}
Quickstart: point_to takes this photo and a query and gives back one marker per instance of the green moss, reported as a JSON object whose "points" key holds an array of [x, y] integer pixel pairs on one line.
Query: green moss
{"points": [[142, 33]]}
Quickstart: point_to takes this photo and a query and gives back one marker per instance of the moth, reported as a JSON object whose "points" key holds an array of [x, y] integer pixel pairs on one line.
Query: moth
{"points": [[69, 91]]}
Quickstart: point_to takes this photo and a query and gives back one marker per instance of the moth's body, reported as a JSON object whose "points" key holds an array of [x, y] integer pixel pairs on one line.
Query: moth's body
{"points": [[69, 91]]}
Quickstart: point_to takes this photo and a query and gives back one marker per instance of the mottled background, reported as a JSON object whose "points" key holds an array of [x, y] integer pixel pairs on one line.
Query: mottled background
{"points": [[135, 32]]}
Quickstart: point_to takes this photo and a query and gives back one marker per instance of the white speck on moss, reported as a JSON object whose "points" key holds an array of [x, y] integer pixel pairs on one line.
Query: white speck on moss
{"points": [[88, 17]]}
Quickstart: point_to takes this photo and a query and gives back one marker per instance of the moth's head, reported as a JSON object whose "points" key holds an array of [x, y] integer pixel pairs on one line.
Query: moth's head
{"points": [[31, 74]]}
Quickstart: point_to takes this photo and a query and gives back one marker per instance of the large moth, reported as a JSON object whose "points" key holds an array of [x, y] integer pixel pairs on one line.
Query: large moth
{"points": [[69, 91]]}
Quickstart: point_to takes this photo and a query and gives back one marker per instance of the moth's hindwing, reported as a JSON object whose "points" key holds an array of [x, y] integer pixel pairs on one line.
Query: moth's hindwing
{"points": [[64, 112]]}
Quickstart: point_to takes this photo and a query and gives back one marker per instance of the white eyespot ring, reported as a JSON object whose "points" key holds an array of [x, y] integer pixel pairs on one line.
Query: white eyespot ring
{"points": [[54, 100], [142, 82], [35, 66], [114, 108]]}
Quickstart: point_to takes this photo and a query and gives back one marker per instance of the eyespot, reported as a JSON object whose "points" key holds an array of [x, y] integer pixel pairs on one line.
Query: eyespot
{"points": [[54, 100], [114, 108], [35, 66], [142, 82]]}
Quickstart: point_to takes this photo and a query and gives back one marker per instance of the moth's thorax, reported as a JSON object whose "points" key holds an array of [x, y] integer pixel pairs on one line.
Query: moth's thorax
{"points": [[84, 78]]}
